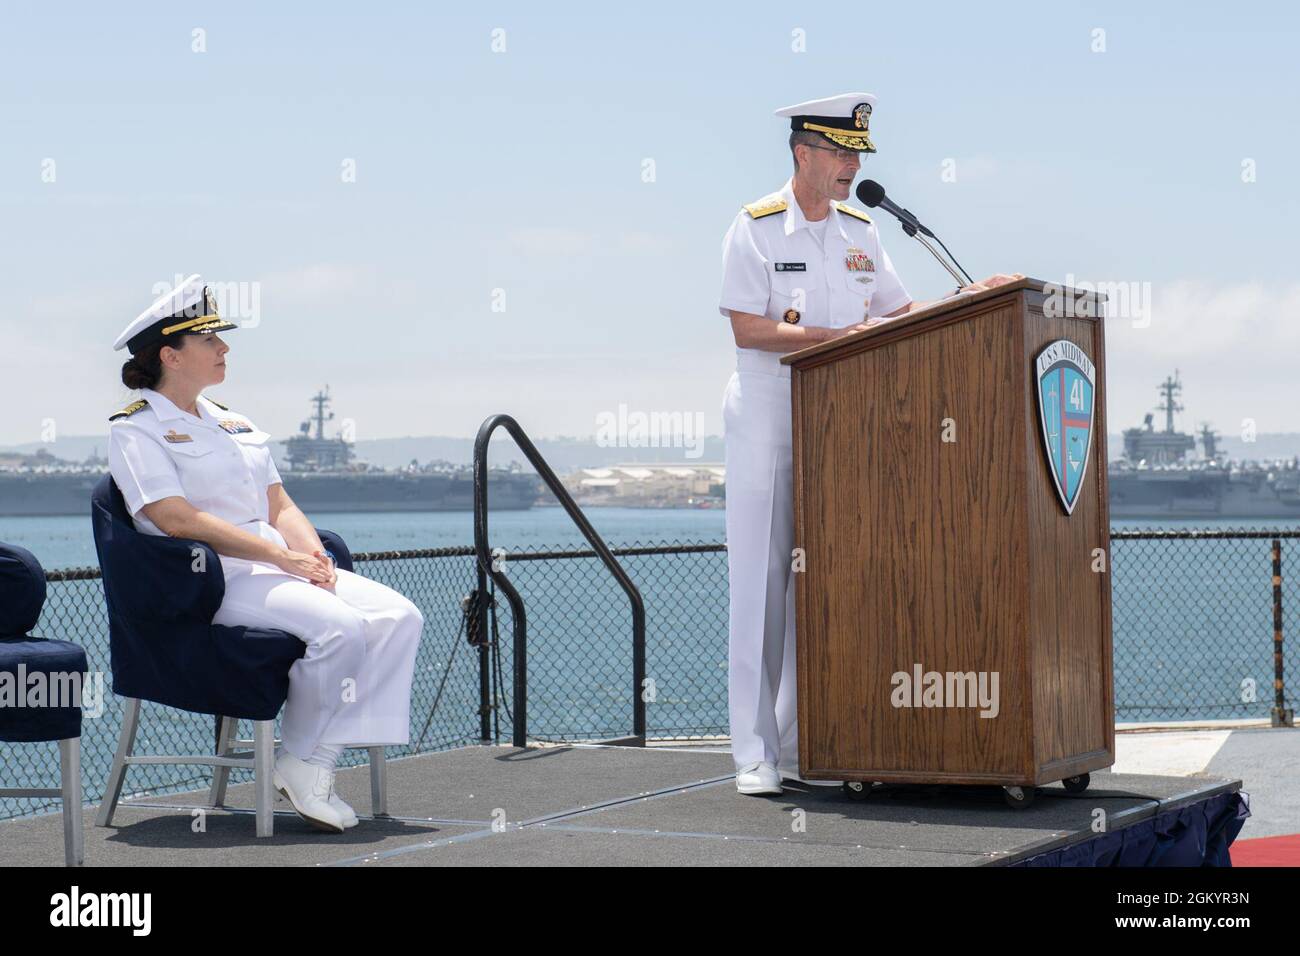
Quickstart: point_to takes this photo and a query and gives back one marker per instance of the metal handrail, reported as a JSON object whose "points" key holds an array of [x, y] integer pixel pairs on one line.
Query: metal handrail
{"points": [[486, 569]]}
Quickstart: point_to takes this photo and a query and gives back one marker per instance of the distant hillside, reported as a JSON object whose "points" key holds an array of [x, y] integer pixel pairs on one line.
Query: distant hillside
{"points": [[567, 454], [562, 454]]}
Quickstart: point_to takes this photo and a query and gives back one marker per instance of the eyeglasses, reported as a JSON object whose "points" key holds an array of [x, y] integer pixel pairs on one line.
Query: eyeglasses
{"points": [[843, 155]]}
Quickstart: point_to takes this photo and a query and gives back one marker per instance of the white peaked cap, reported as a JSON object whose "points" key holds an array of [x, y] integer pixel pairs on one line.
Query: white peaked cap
{"points": [[842, 119], [190, 308]]}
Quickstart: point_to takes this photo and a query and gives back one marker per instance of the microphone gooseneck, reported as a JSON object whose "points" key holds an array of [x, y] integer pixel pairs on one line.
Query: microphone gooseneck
{"points": [[871, 194]]}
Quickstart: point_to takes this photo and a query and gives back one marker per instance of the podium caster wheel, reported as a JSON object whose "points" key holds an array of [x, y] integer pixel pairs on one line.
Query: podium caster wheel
{"points": [[857, 789], [1018, 798], [1076, 784]]}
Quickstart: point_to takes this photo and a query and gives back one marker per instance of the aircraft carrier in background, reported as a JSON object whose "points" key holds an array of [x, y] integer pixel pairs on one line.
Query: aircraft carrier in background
{"points": [[1156, 478], [319, 473]]}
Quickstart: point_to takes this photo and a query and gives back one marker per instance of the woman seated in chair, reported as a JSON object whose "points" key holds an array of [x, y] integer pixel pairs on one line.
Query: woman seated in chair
{"points": [[190, 467]]}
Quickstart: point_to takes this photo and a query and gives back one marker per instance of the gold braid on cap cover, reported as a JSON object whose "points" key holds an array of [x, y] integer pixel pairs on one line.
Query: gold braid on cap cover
{"points": [[849, 139], [211, 318], [192, 324]]}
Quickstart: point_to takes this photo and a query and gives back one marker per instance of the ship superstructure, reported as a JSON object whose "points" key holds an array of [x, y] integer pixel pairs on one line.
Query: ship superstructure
{"points": [[320, 472], [1156, 478]]}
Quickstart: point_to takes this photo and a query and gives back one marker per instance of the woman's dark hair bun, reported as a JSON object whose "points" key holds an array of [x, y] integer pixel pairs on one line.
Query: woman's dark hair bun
{"points": [[136, 374], [144, 369]]}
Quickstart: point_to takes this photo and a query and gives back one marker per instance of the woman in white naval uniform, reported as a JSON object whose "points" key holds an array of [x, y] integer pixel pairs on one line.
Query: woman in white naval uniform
{"points": [[190, 467]]}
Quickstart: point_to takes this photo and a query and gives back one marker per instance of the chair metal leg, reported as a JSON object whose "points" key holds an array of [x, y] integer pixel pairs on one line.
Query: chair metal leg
{"points": [[74, 840], [125, 744], [378, 782], [263, 767], [221, 775]]}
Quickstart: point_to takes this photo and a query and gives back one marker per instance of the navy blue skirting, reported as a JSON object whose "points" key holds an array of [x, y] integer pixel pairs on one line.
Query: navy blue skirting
{"points": [[1195, 835]]}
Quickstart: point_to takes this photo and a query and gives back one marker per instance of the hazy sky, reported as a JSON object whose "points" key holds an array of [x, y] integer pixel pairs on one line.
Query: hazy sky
{"points": [[524, 171]]}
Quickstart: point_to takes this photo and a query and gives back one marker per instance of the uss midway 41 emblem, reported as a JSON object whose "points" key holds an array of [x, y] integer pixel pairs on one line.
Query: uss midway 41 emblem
{"points": [[1066, 380]]}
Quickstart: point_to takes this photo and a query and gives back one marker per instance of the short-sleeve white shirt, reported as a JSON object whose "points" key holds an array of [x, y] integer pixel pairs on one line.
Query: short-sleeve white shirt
{"points": [[773, 266], [218, 461]]}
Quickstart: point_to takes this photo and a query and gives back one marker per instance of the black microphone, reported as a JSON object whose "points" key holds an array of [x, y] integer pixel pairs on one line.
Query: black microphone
{"points": [[872, 194]]}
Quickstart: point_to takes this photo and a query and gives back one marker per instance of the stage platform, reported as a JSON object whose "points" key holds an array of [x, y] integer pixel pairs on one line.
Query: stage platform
{"points": [[594, 805]]}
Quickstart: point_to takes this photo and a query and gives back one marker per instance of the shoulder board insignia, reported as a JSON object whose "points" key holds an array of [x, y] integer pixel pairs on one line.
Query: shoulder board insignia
{"points": [[852, 211], [224, 408], [766, 206], [129, 410]]}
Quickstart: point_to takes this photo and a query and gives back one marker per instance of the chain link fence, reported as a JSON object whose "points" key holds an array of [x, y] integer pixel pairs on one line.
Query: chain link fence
{"points": [[580, 646], [1193, 621], [1193, 639]]}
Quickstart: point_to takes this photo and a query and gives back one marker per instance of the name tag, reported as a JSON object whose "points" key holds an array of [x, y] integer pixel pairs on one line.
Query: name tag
{"points": [[173, 436], [234, 427], [791, 267]]}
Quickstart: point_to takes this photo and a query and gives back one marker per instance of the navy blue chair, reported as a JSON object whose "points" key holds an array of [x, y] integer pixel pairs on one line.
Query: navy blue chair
{"points": [[57, 714], [162, 594]]}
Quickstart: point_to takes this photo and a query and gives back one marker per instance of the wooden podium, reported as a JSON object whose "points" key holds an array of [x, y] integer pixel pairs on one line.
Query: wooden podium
{"points": [[936, 542]]}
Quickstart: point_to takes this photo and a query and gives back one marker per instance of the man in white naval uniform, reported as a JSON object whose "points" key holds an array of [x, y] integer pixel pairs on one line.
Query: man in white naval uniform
{"points": [[800, 266]]}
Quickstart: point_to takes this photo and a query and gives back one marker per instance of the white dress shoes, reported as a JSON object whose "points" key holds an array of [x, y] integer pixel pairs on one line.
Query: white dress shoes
{"points": [[346, 812], [307, 788], [758, 779]]}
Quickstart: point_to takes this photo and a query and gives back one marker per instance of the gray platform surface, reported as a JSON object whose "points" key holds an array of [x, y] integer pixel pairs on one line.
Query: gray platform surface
{"points": [[581, 805], [1268, 760]]}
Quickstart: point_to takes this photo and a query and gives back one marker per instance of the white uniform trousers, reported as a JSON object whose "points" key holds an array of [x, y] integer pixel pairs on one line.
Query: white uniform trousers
{"points": [[760, 538], [352, 687]]}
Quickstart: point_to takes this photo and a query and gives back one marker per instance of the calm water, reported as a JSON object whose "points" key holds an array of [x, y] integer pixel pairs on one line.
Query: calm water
{"points": [[66, 542]]}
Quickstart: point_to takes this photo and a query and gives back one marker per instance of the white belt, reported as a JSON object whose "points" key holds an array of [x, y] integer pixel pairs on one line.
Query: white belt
{"points": [[764, 363]]}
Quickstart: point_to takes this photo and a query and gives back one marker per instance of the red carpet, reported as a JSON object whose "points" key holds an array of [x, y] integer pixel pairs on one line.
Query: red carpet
{"points": [[1266, 851]]}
